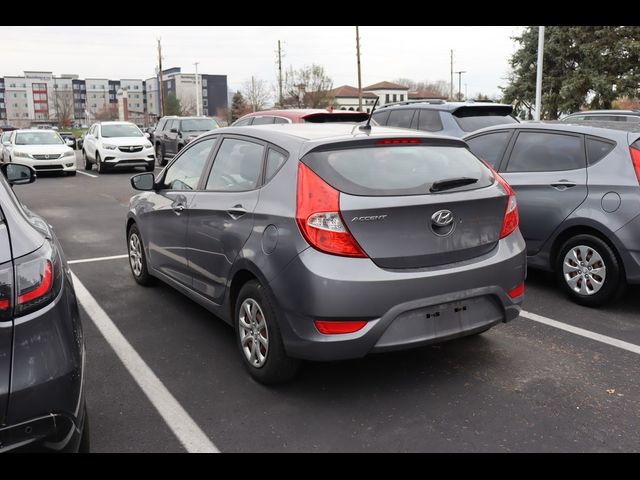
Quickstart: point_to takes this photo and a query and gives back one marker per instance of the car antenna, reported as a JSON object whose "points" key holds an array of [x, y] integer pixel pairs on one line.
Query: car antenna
{"points": [[367, 126]]}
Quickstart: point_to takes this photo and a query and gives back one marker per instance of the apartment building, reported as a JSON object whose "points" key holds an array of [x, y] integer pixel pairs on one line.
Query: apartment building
{"points": [[42, 98]]}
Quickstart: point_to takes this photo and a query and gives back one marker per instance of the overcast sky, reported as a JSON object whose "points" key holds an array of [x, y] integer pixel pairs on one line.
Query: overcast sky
{"points": [[419, 53]]}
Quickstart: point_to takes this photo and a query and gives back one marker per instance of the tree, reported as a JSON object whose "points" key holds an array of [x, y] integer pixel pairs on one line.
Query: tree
{"points": [[239, 106], [256, 91], [307, 87], [63, 105], [109, 111], [172, 104], [439, 88], [584, 66]]}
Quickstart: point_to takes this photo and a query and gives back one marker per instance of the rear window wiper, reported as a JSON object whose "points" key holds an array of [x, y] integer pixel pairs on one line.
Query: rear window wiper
{"points": [[441, 185]]}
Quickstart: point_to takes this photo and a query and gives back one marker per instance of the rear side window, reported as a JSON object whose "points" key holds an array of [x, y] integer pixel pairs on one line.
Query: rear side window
{"points": [[243, 122], [429, 120], [280, 120], [262, 120], [275, 159], [546, 152], [397, 170], [400, 118], [381, 116], [490, 147], [598, 149]]}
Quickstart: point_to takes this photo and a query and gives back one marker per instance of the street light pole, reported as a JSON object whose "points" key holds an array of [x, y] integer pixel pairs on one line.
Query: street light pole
{"points": [[539, 72], [197, 92], [460, 83]]}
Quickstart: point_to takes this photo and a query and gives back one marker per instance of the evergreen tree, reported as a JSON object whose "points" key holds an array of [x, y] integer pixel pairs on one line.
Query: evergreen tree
{"points": [[172, 104]]}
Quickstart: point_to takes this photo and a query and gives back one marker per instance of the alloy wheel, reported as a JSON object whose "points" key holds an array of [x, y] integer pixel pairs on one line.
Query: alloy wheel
{"points": [[135, 254], [584, 270], [254, 335]]}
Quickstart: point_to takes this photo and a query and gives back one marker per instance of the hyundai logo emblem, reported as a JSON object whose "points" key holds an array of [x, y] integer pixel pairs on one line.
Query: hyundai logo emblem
{"points": [[442, 218], [442, 223]]}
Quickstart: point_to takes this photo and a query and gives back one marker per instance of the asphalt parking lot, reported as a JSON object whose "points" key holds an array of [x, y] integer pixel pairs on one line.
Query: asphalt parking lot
{"points": [[530, 385]]}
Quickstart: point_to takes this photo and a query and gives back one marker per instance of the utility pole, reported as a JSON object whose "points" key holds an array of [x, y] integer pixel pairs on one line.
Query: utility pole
{"points": [[279, 75], [451, 84], [359, 73], [161, 84], [460, 83], [539, 72], [197, 91]]}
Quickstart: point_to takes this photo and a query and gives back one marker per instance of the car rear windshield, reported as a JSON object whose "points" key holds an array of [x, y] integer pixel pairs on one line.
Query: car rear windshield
{"points": [[111, 131], [199, 125], [398, 170], [474, 118], [38, 138], [336, 117]]}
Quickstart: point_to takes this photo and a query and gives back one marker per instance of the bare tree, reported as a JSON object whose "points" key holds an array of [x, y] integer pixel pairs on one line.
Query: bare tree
{"points": [[188, 105], [109, 111], [63, 105], [308, 87], [256, 92], [439, 88]]}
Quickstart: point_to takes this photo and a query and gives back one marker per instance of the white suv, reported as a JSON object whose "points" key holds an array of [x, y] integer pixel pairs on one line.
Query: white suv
{"points": [[117, 144], [44, 150]]}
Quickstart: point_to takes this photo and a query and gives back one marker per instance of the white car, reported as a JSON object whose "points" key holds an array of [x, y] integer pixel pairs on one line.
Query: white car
{"points": [[44, 150], [4, 138], [110, 145]]}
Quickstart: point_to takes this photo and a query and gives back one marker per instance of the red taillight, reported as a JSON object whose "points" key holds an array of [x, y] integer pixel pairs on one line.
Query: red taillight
{"points": [[511, 219], [6, 290], [318, 216], [635, 158], [516, 291], [334, 328], [41, 288], [399, 141]]}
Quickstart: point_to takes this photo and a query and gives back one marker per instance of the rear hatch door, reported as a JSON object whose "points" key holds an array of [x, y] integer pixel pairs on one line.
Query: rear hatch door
{"points": [[414, 206]]}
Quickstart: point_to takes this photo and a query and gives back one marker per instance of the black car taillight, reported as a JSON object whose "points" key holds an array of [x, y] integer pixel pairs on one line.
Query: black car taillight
{"points": [[6, 291], [38, 279]]}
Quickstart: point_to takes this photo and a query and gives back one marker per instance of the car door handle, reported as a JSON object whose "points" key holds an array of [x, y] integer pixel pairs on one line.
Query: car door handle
{"points": [[563, 184], [236, 211]]}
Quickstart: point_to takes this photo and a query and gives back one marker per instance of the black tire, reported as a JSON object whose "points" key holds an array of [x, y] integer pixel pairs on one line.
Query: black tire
{"points": [[150, 166], [143, 278], [85, 440], [614, 280], [71, 174], [87, 164], [277, 366]]}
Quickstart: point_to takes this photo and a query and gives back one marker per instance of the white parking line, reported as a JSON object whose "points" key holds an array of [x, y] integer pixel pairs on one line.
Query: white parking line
{"points": [[87, 174], [96, 259], [179, 421], [614, 342]]}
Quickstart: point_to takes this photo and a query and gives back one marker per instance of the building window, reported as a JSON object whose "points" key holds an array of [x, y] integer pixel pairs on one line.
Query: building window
{"points": [[402, 97], [386, 98], [394, 98], [204, 82], [136, 87]]}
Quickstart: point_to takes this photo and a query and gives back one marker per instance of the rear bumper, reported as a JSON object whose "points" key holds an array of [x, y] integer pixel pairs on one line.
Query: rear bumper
{"points": [[54, 432], [627, 240], [403, 308]]}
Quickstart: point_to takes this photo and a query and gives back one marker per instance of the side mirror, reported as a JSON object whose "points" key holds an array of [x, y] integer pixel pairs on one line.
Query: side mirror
{"points": [[69, 142], [174, 130], [143, 182], [6, 144], [147, 134], [18, 174]]}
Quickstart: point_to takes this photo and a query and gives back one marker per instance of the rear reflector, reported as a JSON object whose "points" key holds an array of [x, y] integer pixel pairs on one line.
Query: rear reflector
{"points": [[635, 158], [399, 141], [333, 328], [4, 304], [516, 291]]}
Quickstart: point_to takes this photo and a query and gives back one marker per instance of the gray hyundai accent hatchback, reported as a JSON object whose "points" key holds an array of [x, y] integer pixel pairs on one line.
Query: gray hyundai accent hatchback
{"points": [[328, 242]]}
